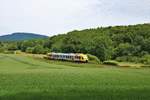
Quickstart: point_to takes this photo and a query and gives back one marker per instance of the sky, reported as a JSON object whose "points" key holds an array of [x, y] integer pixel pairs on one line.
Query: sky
{"points": [[51, 17]]}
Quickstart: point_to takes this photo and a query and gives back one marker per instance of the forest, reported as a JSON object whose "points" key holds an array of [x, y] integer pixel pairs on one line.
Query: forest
{"points": [[122, 43]]}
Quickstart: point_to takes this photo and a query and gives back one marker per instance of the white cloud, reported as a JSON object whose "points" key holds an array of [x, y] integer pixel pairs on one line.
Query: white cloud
{"points": [[59, 16]]}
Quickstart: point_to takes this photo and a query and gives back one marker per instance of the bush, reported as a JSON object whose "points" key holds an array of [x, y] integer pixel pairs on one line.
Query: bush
{"points": [[2, 50], [128, 59], [111, 62], [145, 59], [46, 50], [8, 52], [93, 59], [17, 52], [38, 49], [29, 49], [121, 59]]}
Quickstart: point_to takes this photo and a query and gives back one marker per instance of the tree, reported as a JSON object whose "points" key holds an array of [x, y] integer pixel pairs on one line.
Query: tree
{"points": [[102, 48], [38, 49], [30, 49], [124, 49], [146, 45], [71, 45]]}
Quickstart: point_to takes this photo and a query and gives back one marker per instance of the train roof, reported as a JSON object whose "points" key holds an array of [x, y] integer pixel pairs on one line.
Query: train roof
{"points": [[72, 54]]}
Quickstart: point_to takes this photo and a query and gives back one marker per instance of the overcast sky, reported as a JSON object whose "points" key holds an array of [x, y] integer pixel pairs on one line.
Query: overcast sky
{"points": [[51, 17]]}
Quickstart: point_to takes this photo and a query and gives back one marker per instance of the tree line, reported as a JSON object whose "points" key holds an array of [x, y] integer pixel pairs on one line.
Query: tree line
{"points": [[121, 43]]}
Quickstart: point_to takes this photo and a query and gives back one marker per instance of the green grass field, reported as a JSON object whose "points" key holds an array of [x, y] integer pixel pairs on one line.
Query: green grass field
{"points": [[27, 78]]}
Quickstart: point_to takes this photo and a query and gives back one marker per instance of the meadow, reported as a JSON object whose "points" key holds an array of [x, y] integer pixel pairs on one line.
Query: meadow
{"points": [[27, 78]]}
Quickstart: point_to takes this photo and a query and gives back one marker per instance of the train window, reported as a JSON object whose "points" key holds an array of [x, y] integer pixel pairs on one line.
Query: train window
{"points": [[76, 57]]}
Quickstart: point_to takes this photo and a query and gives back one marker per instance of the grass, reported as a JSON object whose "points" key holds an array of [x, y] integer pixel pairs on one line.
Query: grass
{"points": [[27, 78]]}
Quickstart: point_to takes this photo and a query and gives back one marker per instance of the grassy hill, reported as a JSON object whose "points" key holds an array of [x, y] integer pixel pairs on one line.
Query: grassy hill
{"points": [[21, 36], [27, 78]]}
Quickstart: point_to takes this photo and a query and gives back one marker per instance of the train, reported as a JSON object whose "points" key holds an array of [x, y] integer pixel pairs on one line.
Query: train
{"points": [[75, 57]]}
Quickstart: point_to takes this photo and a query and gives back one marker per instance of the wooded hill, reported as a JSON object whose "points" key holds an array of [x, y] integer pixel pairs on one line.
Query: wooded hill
{"points": [[122, 43], [119, 42]]}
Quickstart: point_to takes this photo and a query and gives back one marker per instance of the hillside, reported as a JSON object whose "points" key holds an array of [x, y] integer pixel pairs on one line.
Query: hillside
{"points": [[124, 43], [21, 36]]}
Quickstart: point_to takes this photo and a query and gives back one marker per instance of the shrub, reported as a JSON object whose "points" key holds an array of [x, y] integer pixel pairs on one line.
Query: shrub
{"points": [[29, 49], [121, 59], [2, 50], [17, 52], [128, 59], [38, 49], [145, 59], [8, 52], [93, 59], [111, 62]]}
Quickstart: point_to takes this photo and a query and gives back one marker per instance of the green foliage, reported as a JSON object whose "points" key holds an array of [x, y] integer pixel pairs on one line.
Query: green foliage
{"points": [[93, 59], [2, 49], [102, 48], [8, 52], [38, 49], [72, 44], [124, 43], [12, 47], [146, 45], [17, 52], [111, 62], [106, 43], [124, 49], [29, 50], [128, 59], [146, 59]]}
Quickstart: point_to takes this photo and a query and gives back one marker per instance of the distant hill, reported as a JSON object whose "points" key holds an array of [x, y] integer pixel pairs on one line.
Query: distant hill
{"points": [[21, 36]]}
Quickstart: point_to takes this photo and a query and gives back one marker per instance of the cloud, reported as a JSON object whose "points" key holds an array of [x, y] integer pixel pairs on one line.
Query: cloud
{"points": [[59, 16]]}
